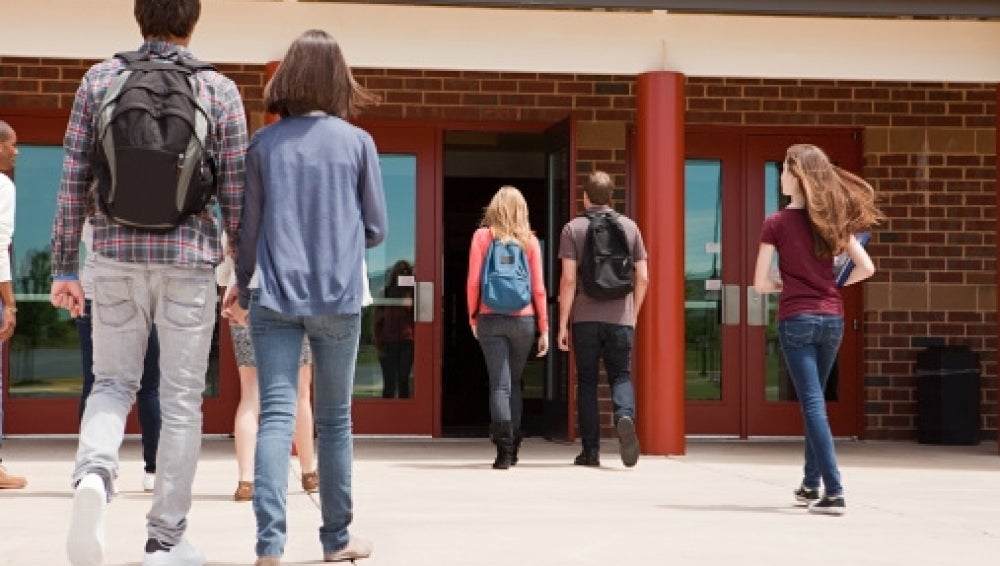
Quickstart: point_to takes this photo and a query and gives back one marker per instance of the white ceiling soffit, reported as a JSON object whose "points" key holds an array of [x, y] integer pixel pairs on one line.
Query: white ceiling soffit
{"points": [[558, 41]]}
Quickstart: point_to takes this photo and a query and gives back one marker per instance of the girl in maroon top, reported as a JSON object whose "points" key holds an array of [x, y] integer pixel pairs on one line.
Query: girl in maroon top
{"points": [[828, 206]]}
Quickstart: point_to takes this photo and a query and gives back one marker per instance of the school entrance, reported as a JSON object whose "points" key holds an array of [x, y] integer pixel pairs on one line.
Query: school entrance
{"points": [[420, 371], [438, 178]]}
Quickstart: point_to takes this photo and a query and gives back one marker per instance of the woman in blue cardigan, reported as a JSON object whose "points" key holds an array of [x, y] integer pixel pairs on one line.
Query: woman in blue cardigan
{"points": [[314, 201]]}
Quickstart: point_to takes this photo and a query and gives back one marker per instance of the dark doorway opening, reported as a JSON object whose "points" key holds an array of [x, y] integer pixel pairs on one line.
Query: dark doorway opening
{"points": [[476, 165]]}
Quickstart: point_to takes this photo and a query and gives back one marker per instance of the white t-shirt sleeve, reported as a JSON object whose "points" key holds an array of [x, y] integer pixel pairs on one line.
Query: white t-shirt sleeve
{"points": [[7, 199]]}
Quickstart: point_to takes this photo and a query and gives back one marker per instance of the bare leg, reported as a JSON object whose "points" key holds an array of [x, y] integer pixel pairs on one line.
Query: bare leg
{"points": [[245, 426], [304, 440]]}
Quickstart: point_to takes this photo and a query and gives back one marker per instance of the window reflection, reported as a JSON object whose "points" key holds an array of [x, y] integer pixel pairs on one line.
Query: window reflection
{"points": [[702, 274], [45, 349], [385, 353]]}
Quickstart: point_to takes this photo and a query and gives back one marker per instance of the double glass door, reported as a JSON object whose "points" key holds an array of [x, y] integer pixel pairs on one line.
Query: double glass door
{"points": [[394, 392], [736, 381]]}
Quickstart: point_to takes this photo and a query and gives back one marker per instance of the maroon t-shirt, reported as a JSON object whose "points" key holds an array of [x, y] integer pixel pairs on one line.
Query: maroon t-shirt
{"points": [[807, 282]]}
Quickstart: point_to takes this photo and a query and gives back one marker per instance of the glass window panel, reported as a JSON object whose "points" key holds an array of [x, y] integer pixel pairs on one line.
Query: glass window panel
{"points": [[45, 350], [778, 382], [385, 353], [703, 273]]}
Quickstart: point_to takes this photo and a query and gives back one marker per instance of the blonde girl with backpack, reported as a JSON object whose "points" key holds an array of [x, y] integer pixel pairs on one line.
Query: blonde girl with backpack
{"points": [[506, 337]]}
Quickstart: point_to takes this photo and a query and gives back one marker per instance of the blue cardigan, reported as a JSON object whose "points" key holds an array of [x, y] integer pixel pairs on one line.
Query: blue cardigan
{"points": [[313, 203]]}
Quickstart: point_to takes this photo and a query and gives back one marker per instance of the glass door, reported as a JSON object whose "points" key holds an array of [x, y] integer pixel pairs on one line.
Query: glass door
{"points": [[394, 390], [714, 346], [42, 376], [736, 381]]}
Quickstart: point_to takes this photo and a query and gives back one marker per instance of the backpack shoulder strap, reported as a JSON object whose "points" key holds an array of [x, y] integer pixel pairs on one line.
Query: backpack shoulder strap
{"points": [[130, 57], [195, 65]]}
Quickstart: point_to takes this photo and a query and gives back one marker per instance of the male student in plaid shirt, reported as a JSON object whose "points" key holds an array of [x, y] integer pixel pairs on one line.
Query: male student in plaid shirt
{"points": [[142, 278]]}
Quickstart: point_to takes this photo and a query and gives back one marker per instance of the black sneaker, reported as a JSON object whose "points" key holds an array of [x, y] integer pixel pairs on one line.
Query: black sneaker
{"points": [[804, 496], [587, 458], [829, 505], [628, 442]]}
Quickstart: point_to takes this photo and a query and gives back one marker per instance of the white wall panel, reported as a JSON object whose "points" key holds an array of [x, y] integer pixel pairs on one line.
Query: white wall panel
{"points": [[246, 31]]}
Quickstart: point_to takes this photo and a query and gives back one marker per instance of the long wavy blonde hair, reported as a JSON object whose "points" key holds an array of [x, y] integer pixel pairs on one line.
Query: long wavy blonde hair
{"points": [[507, 216], [839, 202]]}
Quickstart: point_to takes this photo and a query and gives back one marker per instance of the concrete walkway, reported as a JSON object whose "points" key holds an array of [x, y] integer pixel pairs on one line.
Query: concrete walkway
{"points": [[438, 503]]}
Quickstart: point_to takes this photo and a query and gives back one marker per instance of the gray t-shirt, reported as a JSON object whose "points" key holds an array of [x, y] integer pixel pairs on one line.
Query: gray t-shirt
{"points": [[585, 309]]}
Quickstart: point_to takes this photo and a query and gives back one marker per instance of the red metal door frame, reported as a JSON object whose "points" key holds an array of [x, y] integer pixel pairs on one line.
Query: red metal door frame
{"points": [[58, 415]]}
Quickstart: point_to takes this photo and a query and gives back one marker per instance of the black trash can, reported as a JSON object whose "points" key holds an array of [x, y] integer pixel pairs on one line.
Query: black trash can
{"points": [[948, 396]]}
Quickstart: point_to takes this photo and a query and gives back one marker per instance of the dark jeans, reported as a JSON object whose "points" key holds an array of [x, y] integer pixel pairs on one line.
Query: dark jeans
{"points": [[396, 359], [592, 342], [810, 343], [506, 342], [148, 396]]}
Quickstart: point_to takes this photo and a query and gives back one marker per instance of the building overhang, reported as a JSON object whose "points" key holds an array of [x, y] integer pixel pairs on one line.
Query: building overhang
{"points": [[536, 40], [987, 9]]}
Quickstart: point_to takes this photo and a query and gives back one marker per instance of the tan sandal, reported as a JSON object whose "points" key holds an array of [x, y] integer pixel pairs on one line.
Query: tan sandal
{"points": [[244, 491], [310, 482]]}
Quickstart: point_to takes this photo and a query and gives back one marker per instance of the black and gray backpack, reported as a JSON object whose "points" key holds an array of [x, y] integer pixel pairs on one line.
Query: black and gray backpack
{"points": [[606, 269], [149, 158]]}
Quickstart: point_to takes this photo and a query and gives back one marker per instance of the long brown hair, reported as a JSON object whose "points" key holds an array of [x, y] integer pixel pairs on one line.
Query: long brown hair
{"points": [[314, 75], [839, 202], [507, 216]]}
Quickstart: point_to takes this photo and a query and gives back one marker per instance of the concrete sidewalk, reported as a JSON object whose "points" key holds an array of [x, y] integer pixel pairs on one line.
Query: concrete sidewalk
{"points": [[438, 503]]}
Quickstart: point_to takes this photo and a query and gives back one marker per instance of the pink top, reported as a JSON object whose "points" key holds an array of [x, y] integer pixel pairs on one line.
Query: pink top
{"points": [[477, 254]]}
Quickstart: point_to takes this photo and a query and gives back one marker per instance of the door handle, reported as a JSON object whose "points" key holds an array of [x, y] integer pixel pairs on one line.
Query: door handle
{"points": [[731, 304], [424, 298], [756, 308]]}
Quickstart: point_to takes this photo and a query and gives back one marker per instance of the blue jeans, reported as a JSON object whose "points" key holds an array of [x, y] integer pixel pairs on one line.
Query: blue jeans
{"points": [[506, 342], [593, 341], [810, 343], [147, 399], [129, 298], [277, 341]]}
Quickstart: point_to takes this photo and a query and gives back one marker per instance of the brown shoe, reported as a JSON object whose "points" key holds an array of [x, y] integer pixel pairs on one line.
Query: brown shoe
{"points": [[244, 491], [268, 561], [310, 482], [356, 549], [8, 481]]}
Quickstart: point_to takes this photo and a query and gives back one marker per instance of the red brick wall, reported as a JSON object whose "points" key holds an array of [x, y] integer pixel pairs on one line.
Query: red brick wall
{"points": [[926, 154]]}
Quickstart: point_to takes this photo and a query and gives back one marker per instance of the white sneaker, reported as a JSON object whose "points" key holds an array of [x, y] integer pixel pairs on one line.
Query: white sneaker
{"points": [[148, 481], [85, 543], [181, 554]]}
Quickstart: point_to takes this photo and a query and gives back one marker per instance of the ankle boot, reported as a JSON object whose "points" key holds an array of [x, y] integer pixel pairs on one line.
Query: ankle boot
{"points": [[504, 439], [518, 438]]}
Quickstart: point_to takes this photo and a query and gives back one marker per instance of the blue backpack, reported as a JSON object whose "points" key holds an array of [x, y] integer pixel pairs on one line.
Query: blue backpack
{"points": [[506, 281]]}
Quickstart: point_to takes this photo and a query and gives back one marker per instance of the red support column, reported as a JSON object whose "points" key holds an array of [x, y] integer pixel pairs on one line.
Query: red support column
{"points": [[660, 205], [996, 118]]}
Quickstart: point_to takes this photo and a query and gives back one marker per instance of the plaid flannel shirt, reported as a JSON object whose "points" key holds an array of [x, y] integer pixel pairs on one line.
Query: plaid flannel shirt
{"points": [[195, 243]]}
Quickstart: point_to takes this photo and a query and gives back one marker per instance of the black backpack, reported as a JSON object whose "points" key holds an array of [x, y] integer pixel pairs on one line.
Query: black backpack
{"points": [[606, 269], [149, 155]]}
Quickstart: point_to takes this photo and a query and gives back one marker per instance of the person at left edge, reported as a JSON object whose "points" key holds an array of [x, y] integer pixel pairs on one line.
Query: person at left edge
{"points": [[141, 278], [8, 318]]}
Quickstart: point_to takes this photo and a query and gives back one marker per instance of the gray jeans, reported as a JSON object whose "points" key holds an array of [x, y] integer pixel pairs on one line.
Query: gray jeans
{"points": [[128, 299], [506, 342]]}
